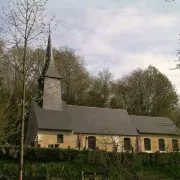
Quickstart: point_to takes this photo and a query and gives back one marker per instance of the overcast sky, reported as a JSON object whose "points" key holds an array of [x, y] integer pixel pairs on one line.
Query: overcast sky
{"points": [[120, 34]]}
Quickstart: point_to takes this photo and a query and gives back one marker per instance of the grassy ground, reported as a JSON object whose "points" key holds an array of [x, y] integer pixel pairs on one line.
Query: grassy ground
{"points": [[72, 171], [161, 173]]}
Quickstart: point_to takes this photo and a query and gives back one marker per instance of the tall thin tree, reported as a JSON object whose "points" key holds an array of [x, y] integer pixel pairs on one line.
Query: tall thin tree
{"points": [[24, 23]]}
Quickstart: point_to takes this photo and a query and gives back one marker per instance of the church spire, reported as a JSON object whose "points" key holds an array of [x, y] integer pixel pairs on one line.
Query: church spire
{"points": [[50, 97], [49, 69]]}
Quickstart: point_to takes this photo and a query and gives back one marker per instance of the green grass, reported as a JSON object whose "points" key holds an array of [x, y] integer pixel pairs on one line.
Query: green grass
{"points": [[72, 171], [47, 171]]}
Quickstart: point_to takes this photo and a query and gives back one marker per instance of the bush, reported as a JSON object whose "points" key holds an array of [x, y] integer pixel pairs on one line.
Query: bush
{"points": [[41, 171], [86, 156], [44, 154], [55, 163], [50, 154]]}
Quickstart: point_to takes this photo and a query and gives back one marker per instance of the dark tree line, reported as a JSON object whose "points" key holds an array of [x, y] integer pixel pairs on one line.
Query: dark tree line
{"points": [[145, 92], [141, 92]]}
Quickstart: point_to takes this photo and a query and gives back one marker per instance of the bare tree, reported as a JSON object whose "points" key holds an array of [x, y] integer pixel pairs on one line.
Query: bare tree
{"points": [[75, 78], [24, 23], [99, 93], [145, 92]]}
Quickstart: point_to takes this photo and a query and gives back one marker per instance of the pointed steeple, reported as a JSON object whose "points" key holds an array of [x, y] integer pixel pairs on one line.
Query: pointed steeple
{"points": [[49, 69], [50, 97]]}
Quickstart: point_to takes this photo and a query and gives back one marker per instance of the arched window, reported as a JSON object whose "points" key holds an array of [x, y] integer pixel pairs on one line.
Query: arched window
{"points": [[127, 144], [147, 144], [92, 142], [162, 145], [175, 145]]}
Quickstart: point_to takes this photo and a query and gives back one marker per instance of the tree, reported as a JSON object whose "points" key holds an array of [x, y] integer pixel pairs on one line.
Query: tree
{"points": [[24, 21], [100, 90], [75, 78], [9, 127], [4, 98], [145, 92], [8, 110]]}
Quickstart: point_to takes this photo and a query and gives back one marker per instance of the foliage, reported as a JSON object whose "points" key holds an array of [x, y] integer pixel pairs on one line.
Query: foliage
{"points": [[24, 23], [142, 92], [75, 78], [44, 171], [72, 171], [33, 154], [99, 92], [46, 163], [9, 107], [145, 92]]}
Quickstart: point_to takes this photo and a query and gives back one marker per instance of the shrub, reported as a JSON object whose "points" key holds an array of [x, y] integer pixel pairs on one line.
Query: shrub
{"points": [[86, 156], [41, 171]]}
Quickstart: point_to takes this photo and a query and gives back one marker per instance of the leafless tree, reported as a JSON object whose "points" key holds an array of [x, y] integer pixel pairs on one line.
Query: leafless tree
{"points": [[24, 23], [75, 78]]}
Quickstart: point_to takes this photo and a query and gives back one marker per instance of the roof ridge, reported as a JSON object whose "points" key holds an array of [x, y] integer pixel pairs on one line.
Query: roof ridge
{"points": [[149, 116], [95, 107]]}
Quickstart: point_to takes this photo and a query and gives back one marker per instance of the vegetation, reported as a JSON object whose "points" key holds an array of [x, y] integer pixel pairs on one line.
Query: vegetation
{"points": [[75, 78], [49, 163], [142, 92], [24, 22], [156, 96], [73, 171], [145, 92]]}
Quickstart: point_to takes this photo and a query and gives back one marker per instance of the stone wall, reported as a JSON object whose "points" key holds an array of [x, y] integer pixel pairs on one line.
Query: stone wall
{"points": [[52, 99], [104, 142], [154, 141], [46, 138]]}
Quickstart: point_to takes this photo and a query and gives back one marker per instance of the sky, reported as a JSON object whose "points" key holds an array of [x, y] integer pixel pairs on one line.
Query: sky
{"points": [[120, 34]]}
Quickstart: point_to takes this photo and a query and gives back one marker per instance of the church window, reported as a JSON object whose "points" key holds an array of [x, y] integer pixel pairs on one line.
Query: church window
{"points": [[147, 144], [162, 145], [60, 138], [92, 142], [127, 144], [175, 145]]}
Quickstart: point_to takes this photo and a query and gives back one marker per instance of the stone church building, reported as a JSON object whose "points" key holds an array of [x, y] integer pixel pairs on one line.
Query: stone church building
{"points": [[53, 123]]}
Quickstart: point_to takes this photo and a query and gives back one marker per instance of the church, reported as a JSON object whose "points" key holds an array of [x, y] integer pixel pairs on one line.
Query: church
{"points": [[53, 123]]}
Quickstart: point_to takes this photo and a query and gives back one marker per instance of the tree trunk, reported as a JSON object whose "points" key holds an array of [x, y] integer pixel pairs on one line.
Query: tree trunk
{"points": [[21, 163]]}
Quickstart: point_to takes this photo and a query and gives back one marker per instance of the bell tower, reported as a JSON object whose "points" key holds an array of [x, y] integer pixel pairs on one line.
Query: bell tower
{"points": [[50, 83]]}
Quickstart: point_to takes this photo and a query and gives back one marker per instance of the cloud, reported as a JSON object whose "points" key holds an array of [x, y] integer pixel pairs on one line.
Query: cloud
{"points": [[126, 38], [163, 62], [120, 34]]}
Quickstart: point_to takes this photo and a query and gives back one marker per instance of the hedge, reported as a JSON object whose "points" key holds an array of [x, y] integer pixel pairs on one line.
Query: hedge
{"points": [[51, 154], [54, 163], [86, 156]]}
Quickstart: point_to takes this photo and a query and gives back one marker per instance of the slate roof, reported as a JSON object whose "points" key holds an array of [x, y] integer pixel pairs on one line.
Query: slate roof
{"points": [[49, 69], [52, 72], [101, 120], [51, 119], [83, 119], [154, 125], [93, 120]]}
